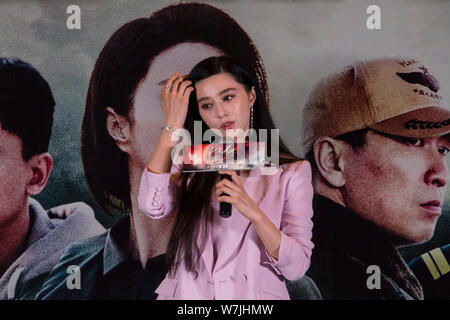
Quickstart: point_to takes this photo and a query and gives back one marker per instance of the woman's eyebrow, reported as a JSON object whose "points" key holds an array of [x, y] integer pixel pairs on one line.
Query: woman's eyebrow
{"points": [[201, 99], [220, 93], [226, 90]]}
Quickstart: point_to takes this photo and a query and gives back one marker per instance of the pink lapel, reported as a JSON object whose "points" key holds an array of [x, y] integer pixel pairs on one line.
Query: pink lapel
{"points": [[208, 254], [257, 186]]}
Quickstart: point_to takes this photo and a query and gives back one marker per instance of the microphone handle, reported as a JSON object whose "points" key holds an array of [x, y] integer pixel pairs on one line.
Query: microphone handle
{"points": [[225, 207]]}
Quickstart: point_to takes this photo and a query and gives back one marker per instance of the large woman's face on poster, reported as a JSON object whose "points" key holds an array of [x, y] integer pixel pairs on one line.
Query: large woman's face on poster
{"points": [[146, 114]]}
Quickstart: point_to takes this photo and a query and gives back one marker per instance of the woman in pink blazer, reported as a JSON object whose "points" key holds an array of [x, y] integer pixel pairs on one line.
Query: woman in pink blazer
{"points": [[268, 236]]}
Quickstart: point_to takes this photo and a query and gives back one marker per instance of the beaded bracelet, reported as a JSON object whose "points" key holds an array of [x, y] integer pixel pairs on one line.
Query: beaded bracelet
{"points": [[172, 130]]}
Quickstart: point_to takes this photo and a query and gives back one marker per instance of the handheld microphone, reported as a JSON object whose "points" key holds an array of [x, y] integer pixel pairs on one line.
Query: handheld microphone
{"points": [[225, 207], [225, 156]]}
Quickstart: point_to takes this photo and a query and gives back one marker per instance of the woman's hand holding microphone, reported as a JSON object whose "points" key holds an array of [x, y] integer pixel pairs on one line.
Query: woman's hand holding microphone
{"points": [[234, 193]]}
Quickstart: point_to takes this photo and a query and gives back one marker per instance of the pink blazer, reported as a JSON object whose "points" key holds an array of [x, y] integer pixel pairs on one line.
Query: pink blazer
{"points": [[243, 269]]}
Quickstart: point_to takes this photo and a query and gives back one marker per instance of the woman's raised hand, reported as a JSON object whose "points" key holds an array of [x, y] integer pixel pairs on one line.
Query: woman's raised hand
{"points": [[236, 195], [175, 99]]}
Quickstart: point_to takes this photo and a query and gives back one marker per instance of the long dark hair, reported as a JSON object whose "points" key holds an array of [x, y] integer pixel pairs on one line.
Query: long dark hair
{"points": [[122, 64], [194, 198]]}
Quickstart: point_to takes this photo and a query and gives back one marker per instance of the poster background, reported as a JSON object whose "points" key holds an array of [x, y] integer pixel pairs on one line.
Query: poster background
{"points": [[300, 41]]}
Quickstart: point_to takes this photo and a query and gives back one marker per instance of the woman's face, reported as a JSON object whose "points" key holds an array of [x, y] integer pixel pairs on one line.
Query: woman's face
{"points": [[224, 104], [146, 114]]}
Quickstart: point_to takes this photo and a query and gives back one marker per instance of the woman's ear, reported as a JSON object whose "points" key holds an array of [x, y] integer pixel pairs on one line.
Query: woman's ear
{"points": [[252, 96], [118, 128], [329, 160], [41, 166]]}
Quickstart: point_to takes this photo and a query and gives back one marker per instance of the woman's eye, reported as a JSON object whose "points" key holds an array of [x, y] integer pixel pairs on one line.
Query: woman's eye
{"points": [[228, 98], [206, 106], [414, 142]]}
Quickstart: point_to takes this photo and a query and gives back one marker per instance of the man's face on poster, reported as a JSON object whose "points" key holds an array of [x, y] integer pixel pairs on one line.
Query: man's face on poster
{"points": [[398, 183], [14, 176]]}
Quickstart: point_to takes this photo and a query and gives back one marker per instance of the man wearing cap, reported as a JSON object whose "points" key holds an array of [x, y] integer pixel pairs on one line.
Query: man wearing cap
{"points": [[376, 136]]}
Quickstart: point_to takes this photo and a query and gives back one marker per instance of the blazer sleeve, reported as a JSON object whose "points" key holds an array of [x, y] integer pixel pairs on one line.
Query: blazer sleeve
{"points": [[296, 226], [156, 193]]}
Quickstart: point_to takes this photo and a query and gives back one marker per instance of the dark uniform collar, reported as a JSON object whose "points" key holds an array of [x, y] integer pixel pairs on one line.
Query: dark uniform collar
{"points": [[344, 231], [114, 252], [337, 226]]}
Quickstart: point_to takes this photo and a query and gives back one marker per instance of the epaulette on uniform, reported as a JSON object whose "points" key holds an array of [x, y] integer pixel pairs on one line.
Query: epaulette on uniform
{"points": [[433, 271]]}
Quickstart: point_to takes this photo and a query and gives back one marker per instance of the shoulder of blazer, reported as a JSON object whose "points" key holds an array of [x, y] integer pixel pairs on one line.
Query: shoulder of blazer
{"points": [[299, 169], [292, 167]]}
